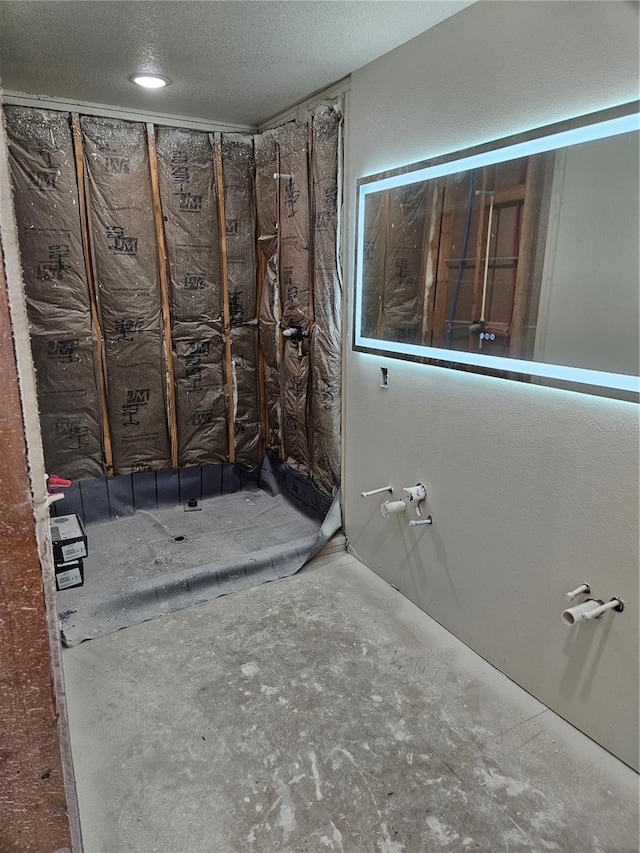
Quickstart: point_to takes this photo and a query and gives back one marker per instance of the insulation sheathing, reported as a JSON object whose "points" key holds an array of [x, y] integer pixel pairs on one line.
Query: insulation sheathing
{"points": [[186, 174], [240, 231], [199, 377], [126, 271], [295, 292], [58, 305], [269, 309], [404, 264], [373, 261], [326, 336]]}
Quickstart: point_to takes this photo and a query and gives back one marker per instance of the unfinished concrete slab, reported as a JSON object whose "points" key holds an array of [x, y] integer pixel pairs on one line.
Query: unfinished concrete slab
{"points": [[326, 713]]}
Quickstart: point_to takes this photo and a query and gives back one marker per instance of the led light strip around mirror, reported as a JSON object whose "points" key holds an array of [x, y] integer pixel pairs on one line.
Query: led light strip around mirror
{"points": [[551, 141]]}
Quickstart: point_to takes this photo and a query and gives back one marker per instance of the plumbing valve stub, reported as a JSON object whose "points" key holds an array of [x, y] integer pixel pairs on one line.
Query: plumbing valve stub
{"points": [[417, 493]]}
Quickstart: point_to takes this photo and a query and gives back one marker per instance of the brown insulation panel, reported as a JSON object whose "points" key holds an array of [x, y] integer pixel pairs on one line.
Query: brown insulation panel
{"points": [[326, 337], [225, 332], [244, 345], [200, 394], [188, 193], [269, 309], [240, 231], [295, 291], [401, 316], [58, 306], [375, 217], [68, 403], [124, 245]]}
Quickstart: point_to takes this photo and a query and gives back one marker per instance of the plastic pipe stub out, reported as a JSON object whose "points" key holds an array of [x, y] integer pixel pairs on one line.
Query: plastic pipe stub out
{"points": [[580, 612], [591, 609], [583, 589], [392, 508], [416, 493]]}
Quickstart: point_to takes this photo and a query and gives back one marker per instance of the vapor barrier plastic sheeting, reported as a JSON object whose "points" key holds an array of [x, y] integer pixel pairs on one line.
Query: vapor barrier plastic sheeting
{"points": [[295, 291], [200, 393], [186, 175], [57, 295], [160, 561], [240, 233], [269, 308], [124, 244], [326, 335], [402, 309]]}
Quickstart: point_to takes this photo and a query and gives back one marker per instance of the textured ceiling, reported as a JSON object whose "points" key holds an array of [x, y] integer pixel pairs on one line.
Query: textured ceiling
{"points": [[240, 61]]}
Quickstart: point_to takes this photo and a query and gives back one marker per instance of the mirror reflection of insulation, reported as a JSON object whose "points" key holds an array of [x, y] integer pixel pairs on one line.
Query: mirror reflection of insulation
{"points": [[505, 254]]}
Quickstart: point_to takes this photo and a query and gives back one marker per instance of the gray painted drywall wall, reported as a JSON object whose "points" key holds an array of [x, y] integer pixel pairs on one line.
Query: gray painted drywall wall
{"points": [[533, 490], [588, 314]]}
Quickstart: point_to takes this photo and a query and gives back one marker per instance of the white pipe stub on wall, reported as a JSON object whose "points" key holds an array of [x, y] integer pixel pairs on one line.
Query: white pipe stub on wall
{"points": [[420, 522], [377, 491], [583, 589], [416, 494], [616, 604], [590, 609], [392, 508]]}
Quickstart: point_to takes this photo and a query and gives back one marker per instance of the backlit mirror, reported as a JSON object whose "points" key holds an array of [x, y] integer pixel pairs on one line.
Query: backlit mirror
{"points": [[519, 258]]}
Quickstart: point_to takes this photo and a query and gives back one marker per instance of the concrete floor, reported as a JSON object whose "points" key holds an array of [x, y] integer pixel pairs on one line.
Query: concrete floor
{"points": [[326, 713]]}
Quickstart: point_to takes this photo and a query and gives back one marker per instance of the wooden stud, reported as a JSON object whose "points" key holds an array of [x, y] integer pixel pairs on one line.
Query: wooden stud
{"points": [[262, 391], [279, 296], [164, 293], [509, 195], [311, 222], [224, 278], [261, 271], [431, 247], [526, 251], [78, 151], [479, 255]]}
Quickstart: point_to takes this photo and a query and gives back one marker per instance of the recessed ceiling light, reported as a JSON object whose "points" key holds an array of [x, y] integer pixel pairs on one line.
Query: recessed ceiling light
{"points": [[150, 81]]}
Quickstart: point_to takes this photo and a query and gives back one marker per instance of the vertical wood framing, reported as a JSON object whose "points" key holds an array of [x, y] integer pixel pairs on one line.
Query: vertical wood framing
{"points": [[478, 268], [262, 390], [526, 249], [311, 220], [39, 811], [279, 259], [431, 246], [224, 277], [78, 151], [164, 294], [261, 272]]}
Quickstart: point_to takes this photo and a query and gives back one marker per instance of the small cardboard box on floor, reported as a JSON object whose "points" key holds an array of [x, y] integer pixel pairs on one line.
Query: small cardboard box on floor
{"points": [[69, 547], [69, 574]]}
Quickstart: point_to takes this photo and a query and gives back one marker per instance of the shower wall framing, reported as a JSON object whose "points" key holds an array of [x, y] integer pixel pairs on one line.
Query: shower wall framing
{"points": [[183, 292]]}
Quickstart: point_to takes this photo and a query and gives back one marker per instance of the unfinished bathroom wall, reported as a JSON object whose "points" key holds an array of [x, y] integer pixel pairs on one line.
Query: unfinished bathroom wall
{"points": [[296, 296], [126, 270], [298, 200], [326, 332], [532, 490], [267, 189], [189, 204], [240, 238], [199, 279], [58, 303], [34, 808]]}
